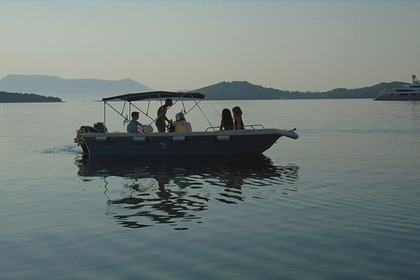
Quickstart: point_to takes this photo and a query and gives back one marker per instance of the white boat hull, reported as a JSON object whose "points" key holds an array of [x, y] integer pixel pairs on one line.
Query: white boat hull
{"points": [[398, 97], [406, 93]]}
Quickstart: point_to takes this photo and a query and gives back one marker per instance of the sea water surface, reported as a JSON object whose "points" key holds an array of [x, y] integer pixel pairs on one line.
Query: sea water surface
{"points": [[340, 202]]}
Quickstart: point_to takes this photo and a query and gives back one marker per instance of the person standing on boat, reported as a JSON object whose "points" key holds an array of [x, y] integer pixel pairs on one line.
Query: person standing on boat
{"points": [[133, 125], [161, 115], [237, 118], [227, 121]]}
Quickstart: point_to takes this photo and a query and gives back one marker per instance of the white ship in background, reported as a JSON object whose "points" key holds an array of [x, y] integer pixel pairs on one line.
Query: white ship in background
{"points": [[407, 92]]}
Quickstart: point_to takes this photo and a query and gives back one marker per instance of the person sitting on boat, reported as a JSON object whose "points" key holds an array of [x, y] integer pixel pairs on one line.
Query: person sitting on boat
{"points": [[227, 121], [237, 118], [133, 125], [161, 115]]}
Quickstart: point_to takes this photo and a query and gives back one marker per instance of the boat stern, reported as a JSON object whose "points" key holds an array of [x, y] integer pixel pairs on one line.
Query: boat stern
{"points": [[80, 139]]}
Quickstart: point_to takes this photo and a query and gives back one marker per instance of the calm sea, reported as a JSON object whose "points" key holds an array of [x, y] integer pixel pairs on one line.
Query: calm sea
{"points": [[341, 202]]}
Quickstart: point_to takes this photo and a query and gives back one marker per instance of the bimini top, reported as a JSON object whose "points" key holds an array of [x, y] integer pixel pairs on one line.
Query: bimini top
{"points": [[154, 95]]}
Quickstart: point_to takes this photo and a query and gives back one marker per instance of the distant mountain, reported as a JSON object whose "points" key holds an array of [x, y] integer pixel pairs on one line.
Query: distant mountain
{"points": [[246, 91], [12, 97], [94, 89], [69, 89], [343, 93], [240, 91]]}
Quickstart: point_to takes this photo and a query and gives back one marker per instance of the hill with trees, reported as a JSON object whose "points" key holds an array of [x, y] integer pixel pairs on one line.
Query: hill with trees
{"points": [[247, 91], [94, 89], [14, 97]]}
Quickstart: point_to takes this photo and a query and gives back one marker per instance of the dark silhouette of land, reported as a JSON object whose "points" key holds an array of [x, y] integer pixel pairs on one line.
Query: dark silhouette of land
{"points": [[247, 91], [94, 89], [14, 97], [69, 89]]}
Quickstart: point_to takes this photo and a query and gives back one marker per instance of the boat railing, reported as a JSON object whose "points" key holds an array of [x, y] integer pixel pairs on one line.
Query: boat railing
{"points": [[248, 126], [255, 126]]}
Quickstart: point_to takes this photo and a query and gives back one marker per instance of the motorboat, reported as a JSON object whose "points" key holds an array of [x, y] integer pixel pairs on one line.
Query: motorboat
{"points": [[407, 92], [180, 139]]}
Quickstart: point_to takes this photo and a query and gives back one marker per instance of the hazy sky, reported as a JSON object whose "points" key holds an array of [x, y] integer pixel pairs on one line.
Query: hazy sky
{"points": [[301, 45]]}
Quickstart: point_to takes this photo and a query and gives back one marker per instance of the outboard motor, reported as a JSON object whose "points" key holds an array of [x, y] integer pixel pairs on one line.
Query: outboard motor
{"points": [[101, 127], [85, 128], [98, 127]]}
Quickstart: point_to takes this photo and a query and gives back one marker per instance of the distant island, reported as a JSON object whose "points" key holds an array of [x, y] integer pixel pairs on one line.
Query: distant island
{"points": [[70, 89], [247, 91], [95, 89], [14, 97]]}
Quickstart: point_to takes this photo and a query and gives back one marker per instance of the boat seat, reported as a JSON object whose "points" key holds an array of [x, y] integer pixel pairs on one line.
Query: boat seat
{"points": [[183, 126]]}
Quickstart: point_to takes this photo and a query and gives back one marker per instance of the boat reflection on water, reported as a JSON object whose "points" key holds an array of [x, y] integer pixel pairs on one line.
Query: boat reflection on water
{"points": [[145, 192]]}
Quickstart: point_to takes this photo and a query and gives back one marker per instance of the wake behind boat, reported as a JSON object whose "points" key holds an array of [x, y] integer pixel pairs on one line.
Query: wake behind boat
{"points": [[181, 140], [407, 92]]}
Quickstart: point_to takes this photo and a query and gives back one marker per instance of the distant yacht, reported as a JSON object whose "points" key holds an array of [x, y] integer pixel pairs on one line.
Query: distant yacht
{"points": [[407, 92]]}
